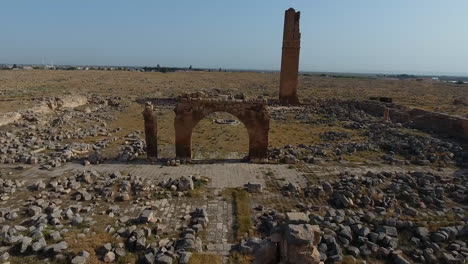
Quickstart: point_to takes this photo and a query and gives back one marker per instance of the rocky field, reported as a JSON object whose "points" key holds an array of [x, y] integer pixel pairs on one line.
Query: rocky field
{"points": [[340, 185]]}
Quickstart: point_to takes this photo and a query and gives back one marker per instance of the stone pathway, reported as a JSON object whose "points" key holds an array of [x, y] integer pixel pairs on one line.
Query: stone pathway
{"points": [[222, 175]]}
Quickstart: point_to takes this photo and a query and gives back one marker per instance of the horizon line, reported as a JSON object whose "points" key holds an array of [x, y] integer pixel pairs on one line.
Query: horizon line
{"points": [[417, 73]]}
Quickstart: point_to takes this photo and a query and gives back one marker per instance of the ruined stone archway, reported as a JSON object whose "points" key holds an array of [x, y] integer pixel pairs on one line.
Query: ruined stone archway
{"points": [[194, 107]]}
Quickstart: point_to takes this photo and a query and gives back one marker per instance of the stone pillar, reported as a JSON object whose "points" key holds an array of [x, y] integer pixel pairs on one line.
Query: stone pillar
{"points": [[258, 142], [290, 58], [386, 114], [151, 132], [183, 137]]}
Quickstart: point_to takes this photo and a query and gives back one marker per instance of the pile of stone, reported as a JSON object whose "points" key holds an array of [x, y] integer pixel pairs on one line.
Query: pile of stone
{"points": [[367, 235], [331, 112], [419, 149], [181, 184], [94, 158], [63, 203], [291, 240], [334, 136], [116, 102], [416, 149], [381, 136], [9, 187], [173, 162], [253, 187], [18, 239], [365, 215], [316, 154], [167, 250], [133, 148], [38, 138]]}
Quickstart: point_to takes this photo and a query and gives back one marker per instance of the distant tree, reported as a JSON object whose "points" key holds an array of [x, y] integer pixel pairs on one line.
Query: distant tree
{"points": [[157, 66], [190, 67], [459, 82], [219, 70], [163, 70], [15, 66]]}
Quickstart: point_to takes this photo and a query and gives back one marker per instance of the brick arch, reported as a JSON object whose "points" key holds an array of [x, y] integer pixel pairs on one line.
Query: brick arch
{"points": [[191, 109]]}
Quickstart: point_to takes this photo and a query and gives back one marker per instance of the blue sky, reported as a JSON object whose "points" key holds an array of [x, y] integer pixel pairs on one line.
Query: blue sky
{"points": [[397, 36]]}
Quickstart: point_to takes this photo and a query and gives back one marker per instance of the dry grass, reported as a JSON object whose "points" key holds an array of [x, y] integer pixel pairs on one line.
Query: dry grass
{"points": [[90, 243], [362, 156], [243, 213], [237, 258], [203, 258], [209, 137], [32, 260]]}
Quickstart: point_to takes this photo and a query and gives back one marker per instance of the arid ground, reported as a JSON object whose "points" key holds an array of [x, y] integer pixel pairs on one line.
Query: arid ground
{"points": [[17, 87]]}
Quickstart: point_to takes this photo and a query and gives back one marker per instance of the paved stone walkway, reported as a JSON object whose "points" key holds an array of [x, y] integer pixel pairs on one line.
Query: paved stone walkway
{"points": [[222, 175]]}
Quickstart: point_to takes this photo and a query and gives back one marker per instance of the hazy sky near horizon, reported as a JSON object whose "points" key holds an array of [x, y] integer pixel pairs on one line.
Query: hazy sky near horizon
{"points": [[397, 36]]}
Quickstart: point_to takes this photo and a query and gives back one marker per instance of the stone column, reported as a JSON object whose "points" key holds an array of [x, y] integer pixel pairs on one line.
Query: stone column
{"points": [[151, 132], [183, 137], [258, 141], [290, 58], [386, 114]]}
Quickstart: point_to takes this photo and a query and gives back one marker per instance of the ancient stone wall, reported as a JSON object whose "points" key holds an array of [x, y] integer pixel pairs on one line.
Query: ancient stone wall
{"points": [[444, 124], [194, 107], [290, 58]]}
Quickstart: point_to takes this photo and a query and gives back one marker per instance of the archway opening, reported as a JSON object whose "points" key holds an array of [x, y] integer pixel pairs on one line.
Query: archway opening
{"points": [[220, 136]]}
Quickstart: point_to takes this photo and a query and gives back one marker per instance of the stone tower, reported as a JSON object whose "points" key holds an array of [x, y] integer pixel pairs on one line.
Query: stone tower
{"points": [[290, 58]]}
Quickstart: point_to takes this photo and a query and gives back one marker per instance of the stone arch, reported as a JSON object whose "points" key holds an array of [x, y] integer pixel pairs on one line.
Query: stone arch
{"points": [[253, 114]]}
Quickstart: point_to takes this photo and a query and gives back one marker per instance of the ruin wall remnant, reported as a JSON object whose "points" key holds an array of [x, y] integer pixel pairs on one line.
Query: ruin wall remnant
{"points": [[439, 123], [151, 131]]}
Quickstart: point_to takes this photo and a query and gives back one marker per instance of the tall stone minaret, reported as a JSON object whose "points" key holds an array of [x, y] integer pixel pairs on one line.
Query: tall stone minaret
{"points": [[290, 58]]}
